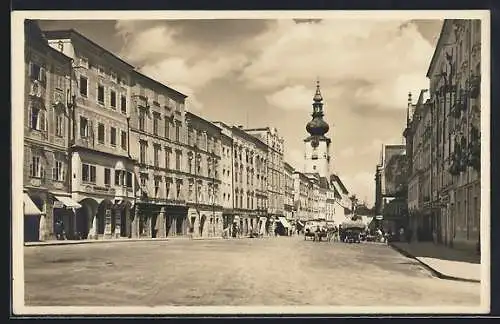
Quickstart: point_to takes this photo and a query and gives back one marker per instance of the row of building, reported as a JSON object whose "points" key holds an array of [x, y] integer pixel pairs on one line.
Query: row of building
{"points": [[110, 152], [442, 154]]}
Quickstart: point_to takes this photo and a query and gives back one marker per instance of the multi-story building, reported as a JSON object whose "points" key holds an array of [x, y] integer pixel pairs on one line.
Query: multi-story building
{"points": [[46, 177], [453, 134], [301, 196], [204, 183], [289, 190], [249, 157], [418, 148], [275, 180], [101, 167], [331, 197], [226, 171], [158, 146]]}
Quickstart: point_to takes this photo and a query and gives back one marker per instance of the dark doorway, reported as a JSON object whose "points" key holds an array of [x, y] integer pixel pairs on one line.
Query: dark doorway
{"points": [[154, 228], [202, 224], [168, 224], [32, 228], [124, 221], [179, 225]]}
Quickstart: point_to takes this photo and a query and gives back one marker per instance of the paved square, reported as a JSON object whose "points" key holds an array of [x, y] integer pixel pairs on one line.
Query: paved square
{"points": [[247, 272]]}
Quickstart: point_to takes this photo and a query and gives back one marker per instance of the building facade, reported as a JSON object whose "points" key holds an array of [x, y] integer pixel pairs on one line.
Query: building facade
{"points": [[205, 178], [47, 111], [227, 180], [101, 167], [249, 163], [158, 148], [451, 197], [301, 185], [274, 160], [289, 190]]}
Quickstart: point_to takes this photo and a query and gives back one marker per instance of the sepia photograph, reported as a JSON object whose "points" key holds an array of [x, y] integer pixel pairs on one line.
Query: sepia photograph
{"points": [[245, 162]]}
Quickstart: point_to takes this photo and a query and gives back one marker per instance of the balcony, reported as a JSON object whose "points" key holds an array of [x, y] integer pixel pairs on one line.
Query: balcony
{"points": [[124, 192]]}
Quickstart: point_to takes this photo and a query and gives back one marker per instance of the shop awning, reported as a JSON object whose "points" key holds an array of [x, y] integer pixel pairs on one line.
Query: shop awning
{"points": [[30, 209], [68, 202], [284, 222]]}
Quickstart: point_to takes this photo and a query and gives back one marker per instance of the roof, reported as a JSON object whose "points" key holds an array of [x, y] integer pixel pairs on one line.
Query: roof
{"points": [[439, 46], [249, 137], [190, 115], [34, 35], [142, 75], [72, 33], [335, 178], [288, 166]]}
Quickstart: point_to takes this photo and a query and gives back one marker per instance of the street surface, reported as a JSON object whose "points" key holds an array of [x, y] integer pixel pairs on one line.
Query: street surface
{"points": [[247, 272]]}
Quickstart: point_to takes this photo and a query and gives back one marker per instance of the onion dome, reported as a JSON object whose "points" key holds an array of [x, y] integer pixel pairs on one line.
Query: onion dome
{"points": [[317, 126]]}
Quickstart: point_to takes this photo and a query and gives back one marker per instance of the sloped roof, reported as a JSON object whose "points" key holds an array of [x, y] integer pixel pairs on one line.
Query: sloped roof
{"points": [[336, 179]]}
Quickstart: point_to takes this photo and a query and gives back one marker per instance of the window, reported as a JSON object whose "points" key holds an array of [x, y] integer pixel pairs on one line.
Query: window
{"points": [[35, 167], [157, 186], [168, 185], [123, 104], [112, 99], [143, 180], [167, 157], [156, 156], [37, 118], [142, 119], [124, 140], [118, 178], [156, 121], [100, 133], [178, 157], [114, 76], [83, 86], [178, 188], [84, 127], [129, 179], [60, 125], [58, 171], [178, 131], [59, 82], [143, 146], [88, 173], [107, 176], [37, 72], [113, 136], [100, 94], [167, 127]]}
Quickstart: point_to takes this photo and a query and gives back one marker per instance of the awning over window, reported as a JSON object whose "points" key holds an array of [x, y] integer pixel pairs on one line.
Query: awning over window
{"points": [[30, 209], [68, 202], [284, 222]]}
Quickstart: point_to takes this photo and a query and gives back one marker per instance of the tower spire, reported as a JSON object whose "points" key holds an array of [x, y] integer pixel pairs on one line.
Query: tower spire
{"points": [[317, 96]]}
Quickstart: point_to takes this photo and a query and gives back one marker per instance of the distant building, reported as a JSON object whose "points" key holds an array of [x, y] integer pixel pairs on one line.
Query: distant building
{"points": [[289, 191], [204, 183]]}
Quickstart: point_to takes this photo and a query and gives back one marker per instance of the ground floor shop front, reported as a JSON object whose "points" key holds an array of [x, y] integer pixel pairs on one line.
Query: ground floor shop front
{"points": [[49, 215], [454, 220]]}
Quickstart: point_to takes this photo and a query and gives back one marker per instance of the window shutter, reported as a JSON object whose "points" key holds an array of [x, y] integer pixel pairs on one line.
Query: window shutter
{"points": [[32, 169], [54, 173], [30, 69], [42, 76]]}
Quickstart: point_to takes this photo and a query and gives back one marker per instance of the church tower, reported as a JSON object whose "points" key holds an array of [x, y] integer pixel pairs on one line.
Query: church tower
{"points": [[317, 145]]}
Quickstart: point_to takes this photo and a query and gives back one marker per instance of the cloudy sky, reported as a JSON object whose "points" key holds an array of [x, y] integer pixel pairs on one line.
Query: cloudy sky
{"points": [[263, 72]]}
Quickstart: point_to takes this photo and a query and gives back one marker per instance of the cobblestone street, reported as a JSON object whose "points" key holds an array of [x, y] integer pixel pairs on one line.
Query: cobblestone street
{"points": [[246, 272]]}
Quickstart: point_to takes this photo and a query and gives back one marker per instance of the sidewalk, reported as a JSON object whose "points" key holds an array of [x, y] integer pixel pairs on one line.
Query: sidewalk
{"points": [[74, 242], [445, 262]]}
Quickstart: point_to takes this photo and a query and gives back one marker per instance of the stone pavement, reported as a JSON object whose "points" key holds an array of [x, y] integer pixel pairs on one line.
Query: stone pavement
{"points": [[445, 262], [68, 242]]}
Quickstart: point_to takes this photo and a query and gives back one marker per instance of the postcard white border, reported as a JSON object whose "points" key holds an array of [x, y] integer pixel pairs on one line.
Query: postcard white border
{"points": [[17, 39]]}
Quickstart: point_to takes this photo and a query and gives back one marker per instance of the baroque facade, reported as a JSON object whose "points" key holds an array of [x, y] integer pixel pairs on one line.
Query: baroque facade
{"points": [[101, 167], [454, 135], [47, 110]]}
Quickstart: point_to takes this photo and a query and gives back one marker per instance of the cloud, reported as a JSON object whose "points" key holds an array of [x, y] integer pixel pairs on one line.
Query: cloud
{"points": [[382, 57], [361, 184], [291, 98]]}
